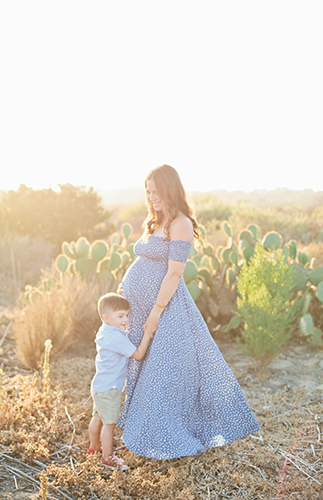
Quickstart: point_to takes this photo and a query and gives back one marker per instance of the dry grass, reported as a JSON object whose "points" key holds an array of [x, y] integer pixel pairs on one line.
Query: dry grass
{"points": [[315, 250], [46, 317], [51, 429], [65, 314]]}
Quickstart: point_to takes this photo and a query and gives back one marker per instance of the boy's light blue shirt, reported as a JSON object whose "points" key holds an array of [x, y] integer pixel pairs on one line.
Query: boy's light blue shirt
{"points": [[113, 352]]}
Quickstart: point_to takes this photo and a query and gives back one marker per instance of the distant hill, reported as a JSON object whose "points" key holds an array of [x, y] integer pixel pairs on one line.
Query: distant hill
{"points": [[117, 197], [277, 197]]}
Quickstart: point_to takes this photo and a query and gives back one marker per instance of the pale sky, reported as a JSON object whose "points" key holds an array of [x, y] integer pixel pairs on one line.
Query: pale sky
{"points": [[230, 93]]}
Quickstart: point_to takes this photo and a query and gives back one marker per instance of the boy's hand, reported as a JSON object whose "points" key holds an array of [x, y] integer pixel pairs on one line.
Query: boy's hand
{"points": [[120, 290], [149, 334]]}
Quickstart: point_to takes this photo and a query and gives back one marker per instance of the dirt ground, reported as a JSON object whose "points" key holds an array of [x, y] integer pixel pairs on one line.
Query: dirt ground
{"points": [[297, 367]]}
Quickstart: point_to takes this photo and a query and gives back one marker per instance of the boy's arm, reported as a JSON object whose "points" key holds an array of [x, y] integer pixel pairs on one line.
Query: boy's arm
{"points": [[142, 348]]}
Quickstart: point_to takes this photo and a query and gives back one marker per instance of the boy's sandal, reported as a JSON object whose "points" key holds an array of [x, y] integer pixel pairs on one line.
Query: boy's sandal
{"points": [[115, 463], [90, 451]]}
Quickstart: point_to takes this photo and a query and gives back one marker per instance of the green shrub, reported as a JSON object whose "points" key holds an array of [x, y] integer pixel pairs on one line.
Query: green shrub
{"points": [[266, 304], [55, 216]]}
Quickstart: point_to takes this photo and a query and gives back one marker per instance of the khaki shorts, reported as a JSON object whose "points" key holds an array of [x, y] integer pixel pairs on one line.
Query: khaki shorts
{"points": [[106, 405]]}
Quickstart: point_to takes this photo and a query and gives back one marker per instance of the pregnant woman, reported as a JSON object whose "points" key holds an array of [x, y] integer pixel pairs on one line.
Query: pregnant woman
{"points": [[183, 397]]}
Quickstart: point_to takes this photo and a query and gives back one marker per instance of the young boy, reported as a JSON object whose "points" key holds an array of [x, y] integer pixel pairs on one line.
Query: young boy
{"points": [[113, 352]]}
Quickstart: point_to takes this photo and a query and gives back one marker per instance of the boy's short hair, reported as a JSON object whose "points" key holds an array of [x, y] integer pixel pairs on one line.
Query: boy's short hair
{"points": [[112, 301]]}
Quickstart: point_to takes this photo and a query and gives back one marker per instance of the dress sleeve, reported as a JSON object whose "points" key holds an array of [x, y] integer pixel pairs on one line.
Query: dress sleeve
{"points": [[179, 250]]}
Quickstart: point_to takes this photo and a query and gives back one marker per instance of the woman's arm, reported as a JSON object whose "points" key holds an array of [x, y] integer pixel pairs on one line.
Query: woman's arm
{"points": [[180, 229]]}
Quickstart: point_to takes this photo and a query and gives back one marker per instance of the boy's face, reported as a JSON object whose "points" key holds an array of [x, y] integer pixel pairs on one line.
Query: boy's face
{"points": [[120, 318]]}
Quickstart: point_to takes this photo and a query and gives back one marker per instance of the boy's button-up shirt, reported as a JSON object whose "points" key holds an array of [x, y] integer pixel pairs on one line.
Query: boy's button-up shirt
{"points": [[113, 352]]}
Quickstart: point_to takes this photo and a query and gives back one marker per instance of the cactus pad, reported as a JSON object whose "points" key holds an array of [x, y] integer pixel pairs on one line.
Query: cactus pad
{"points": [[234, 257], [206, 275], [255, 229], [215, 263], [226, 255], [227, 228], [317, 338], [231, 276], [67, 251], [292, 249], [306, 324], [194, 290], [247, 236], [82, 247], [208, 250], [61, 263], [193, 252], [299, 277], [303, 258], [131, 251], [248, 252], [286, 251], [126, 228], [190, 271], [125, 259], [115, 261], [316, 276], [319, 291], [99, 250], [272, 241]]}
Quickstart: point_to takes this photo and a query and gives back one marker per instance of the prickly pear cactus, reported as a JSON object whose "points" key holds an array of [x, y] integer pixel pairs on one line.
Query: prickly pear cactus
{"points": [[255, 230], [126, 229], [85, 266], [61, 263], [299, 277], [227, 228], [316, 275], [190, 271], [272, 241], [247, 235], [98, 250], [306, 324], [292, 249], [319, 291], [194, 290], [303, 258]]}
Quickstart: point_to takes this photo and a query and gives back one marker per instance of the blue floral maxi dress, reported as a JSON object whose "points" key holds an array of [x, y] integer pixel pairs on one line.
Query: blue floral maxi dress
{"points": [[182, 397]]}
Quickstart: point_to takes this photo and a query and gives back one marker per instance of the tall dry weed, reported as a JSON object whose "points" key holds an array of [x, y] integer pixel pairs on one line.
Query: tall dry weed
{"points": [[66, 314], [47, 317], [315, 249]]}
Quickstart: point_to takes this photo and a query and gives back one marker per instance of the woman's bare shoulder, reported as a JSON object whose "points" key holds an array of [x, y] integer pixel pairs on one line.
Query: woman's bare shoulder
{"points": [[181, 228]]}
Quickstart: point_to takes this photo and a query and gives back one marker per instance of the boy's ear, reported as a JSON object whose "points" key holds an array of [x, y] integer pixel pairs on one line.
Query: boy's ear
{"points": [[105, 318]]}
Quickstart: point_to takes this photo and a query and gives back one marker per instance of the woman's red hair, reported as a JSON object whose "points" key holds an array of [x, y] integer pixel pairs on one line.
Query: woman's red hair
{"points": [[171, 191]]}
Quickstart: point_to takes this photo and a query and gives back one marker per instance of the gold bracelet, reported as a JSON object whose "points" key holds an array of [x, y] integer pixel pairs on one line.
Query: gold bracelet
{"points": [[160, 305]]}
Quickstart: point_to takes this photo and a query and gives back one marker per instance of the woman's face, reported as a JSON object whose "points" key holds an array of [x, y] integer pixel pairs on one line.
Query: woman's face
{"points": [[154, 197]]}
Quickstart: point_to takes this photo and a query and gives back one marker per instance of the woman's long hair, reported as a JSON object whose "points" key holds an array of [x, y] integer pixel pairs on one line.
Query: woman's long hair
{"points": [[171, 191]]}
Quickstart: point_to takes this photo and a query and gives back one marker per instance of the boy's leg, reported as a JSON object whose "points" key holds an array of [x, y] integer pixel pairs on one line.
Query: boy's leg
{"points": [[107, 434], [94, 432]]}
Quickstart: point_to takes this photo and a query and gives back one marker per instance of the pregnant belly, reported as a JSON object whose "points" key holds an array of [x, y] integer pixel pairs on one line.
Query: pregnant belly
{"points": [[142, 281]]}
